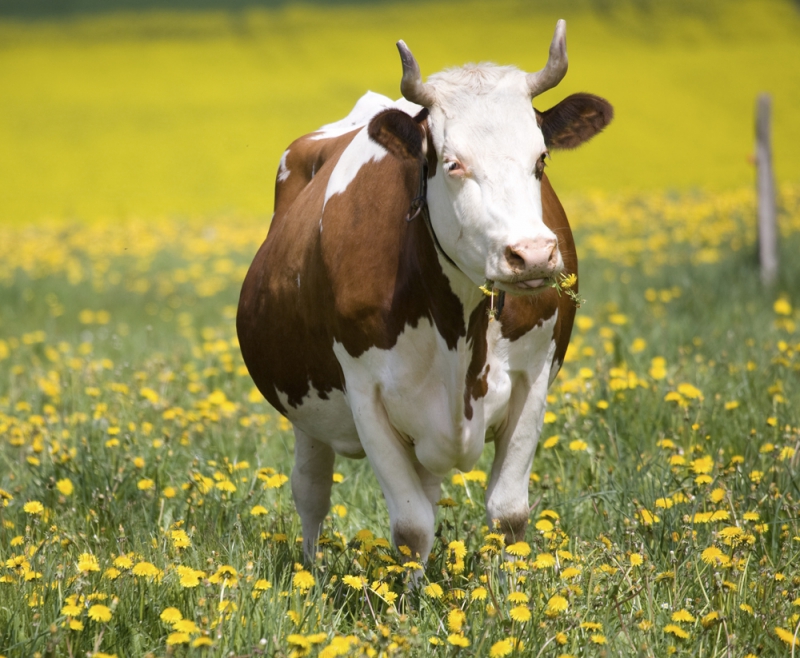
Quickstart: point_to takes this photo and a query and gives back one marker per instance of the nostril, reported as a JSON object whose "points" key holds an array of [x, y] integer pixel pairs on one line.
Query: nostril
{"points": [[553, 260], [514, 259]]}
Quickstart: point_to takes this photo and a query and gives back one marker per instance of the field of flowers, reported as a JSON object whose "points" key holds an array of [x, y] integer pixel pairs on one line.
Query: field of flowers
{"points": [[145, 506]]}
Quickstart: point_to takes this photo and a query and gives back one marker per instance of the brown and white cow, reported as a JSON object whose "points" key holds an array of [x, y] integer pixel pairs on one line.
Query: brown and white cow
{"points": [[367, 328]]}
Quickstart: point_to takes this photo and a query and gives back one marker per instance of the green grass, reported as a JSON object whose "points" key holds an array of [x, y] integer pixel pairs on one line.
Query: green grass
{"points": [[187, 113], [121, 375]]}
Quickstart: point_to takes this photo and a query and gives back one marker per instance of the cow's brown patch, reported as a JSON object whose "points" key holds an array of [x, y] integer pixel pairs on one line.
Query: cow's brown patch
{"points": [[355, 273], [476, 384]]}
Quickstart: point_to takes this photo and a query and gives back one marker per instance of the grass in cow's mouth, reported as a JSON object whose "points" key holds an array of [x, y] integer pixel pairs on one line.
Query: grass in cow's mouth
{"points": [[145, 505]]}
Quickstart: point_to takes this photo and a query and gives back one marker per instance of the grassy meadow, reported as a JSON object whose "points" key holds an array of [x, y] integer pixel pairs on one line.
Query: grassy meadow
{"points": [[144, 499]]}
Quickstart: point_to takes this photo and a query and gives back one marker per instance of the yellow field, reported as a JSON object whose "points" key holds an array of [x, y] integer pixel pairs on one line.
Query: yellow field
{"points": [[187, 113]]}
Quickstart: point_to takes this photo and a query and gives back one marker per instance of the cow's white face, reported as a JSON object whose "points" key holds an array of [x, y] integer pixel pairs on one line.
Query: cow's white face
{"points": [[485, 199], [491, 146]]}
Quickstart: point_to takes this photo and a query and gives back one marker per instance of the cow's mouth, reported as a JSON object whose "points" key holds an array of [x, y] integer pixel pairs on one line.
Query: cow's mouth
{"points": [[527, 287]]}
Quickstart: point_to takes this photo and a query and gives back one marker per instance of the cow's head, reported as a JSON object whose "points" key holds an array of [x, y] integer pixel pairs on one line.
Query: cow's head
{"points": [[491, 147]]}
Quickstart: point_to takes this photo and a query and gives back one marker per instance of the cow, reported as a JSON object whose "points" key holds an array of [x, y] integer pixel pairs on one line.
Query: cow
{"points": [[404, 305]]}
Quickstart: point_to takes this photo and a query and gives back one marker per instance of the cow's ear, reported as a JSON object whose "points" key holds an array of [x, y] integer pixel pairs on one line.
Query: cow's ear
{"points": [[574, 120], [398, 133]]}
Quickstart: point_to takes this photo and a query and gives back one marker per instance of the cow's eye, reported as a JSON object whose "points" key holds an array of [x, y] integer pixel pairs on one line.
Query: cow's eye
{"points": [[453, 167], [540, 165]]}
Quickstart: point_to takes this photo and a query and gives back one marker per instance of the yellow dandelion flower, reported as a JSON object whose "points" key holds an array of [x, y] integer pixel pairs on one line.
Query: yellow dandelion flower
{"points": [[178, 638], [676, 630], [782, 306], [561, 638], [518, 597], [557, 604], [544, 561], [787, 636], [458, 549], [71, 610], [598, 639], [76, 625], [455, 620], [710, 618], [578, 446], [683, 615], [543, 525], [519, 549], [501, 648], [262, 585], [303, 580], [647, 517], [185, 626], [170, 615], [592, 625], [202, 642], [478, 594], [712, 555], [354, 582], [180, 539], [434, 590], [65, 486], [458, 640], [276, 481], [744, 607], [520, 614], [570, 572], [88, 562], [551, 441], [146, 569], [636, 559], [258, 510], [549, 417], [33, 507], [100, 613], [123, 562]]}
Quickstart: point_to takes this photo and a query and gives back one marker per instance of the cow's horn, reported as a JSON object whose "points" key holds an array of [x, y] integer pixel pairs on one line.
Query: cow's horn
{"points": [[411, 86], [556, 67]]}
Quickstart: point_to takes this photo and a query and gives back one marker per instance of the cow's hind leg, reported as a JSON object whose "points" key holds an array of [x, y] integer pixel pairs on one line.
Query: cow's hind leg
{"points": [[312, 478]]}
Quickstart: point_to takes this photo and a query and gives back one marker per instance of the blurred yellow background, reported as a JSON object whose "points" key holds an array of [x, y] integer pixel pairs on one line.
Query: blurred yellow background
{"points": [[185, 113]]}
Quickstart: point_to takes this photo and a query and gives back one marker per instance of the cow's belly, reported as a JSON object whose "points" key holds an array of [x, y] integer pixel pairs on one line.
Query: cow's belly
{"points": [[419, 385]]}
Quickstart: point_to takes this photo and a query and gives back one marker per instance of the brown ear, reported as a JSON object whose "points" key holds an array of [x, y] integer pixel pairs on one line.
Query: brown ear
{"points": [[574, 120], [398, 133]]}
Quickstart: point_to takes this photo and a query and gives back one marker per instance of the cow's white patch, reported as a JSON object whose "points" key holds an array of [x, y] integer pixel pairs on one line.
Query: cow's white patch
{"points": [[421, 387], [283, 171], [365, 108], [328, 420], [358, 153]]}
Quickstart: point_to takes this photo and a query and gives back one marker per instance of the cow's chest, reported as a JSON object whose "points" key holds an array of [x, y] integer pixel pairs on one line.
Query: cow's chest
{"points": [[427, 395]]}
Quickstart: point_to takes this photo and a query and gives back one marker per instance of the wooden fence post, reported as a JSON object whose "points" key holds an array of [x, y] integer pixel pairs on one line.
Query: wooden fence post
{"points": [[765, 187]]}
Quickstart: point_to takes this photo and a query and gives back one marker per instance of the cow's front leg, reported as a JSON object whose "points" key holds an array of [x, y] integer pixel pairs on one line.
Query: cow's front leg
{"points": [[312, 479], [507, 493], [410, 491]]}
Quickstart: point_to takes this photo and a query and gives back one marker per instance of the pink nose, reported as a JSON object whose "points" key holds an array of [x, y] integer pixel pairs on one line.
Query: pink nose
{"points": [[536, 258]]}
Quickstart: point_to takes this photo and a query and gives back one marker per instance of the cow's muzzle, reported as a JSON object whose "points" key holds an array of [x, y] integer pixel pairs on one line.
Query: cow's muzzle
{"points": [[533, 263]]}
